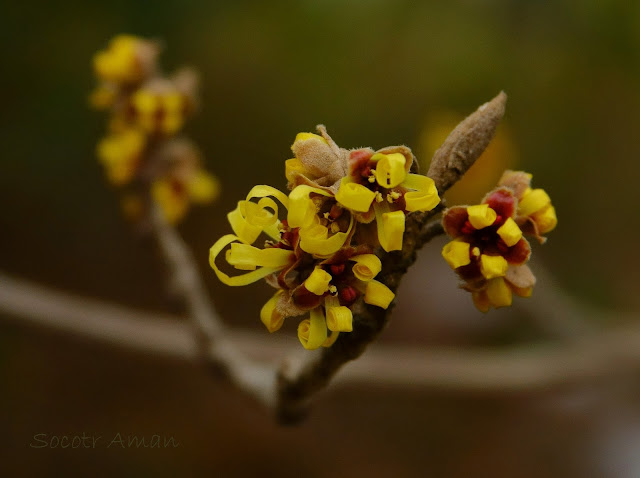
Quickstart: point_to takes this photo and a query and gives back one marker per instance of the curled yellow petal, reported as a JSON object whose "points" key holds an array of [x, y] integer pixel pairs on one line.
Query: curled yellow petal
{"points": [[390, 170], [366, 267], [263, 190], [493, 266], [331, 339], [390, 227], [509, 232], [378, 294], [243, 279], [302, 209], [249, 219], [318, 281], [481, 215], [269, 316], [425, 197], [355, 196], [245, 230], [456, 253], [339, 318], [534, 200], [312, 332], [317, 241], [546, 219], [499, 293], [246, 257]]}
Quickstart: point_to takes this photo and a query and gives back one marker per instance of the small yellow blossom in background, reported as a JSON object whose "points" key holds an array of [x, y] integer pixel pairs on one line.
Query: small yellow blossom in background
{"points": [[121, 153], [147, 111], [488, 250], [501, 154]]}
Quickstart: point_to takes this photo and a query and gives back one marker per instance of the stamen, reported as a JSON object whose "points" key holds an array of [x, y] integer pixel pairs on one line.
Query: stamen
{"points": [[348, 295]]}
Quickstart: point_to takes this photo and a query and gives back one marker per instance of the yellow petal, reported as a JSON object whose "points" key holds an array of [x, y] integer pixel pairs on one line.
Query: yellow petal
{"points": [[293, 167], [312, 332], [339, 317], [534, 200], [390, 170], [302, 209], [269, 315], [425, 197], [366, 267], [317, 241], [331, 339], [546, 219], [318, 281], [509, 232], [522, 291], [243, 279], [481, 215], [390, 227], [354, 196], [203, 187], [245, 230], [456, 253], [378, 294], [499, 293], [306, 136], [246, 257], [262, 190], [249, 219], [493, 266], [481, 301]]}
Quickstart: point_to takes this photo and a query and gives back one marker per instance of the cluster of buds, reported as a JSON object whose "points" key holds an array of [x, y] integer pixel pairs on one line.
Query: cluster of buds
{"points": [[488, 250], [316, 255], [142, 148]]}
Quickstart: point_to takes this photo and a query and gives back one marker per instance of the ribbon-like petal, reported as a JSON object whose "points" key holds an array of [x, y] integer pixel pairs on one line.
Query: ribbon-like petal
{"points": [[425, 197], [378, 294], [249, 277], [269, 315], [390, 227], [390, 170], [355, 196], [366, 267], [312, 332]]}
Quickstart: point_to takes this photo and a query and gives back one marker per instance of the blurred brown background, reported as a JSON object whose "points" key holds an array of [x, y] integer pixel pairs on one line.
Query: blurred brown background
{"points": [[377, 73]]}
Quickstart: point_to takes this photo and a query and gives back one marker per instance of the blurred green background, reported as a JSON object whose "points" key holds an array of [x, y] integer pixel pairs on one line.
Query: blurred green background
{"points": [[377, 73]]}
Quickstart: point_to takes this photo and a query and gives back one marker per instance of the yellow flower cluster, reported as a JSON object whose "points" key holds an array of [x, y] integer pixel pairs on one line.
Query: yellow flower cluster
{"points": [[147, 112], [488, 250], [312, 255]]}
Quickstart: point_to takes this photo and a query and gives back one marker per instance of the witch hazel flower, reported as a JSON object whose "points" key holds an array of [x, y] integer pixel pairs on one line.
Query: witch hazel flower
{"points": [[488, 250], [535, 214], [306, 257], [372, 185]]}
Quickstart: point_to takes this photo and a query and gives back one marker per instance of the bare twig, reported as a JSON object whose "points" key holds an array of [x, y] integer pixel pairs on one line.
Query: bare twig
{"points": [[497, 371], [256, 378]]}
